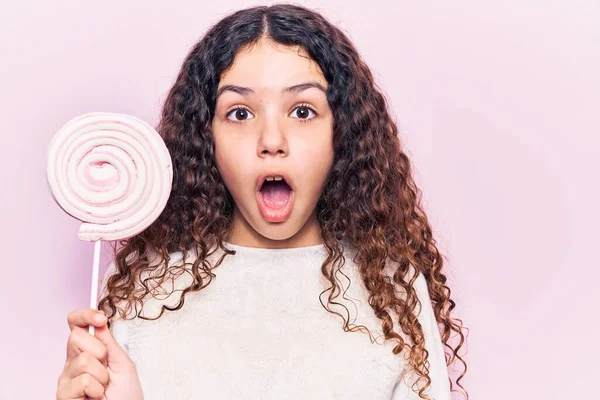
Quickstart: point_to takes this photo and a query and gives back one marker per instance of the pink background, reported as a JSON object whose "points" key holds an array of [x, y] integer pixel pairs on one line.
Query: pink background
{"points": [[497, 102]]}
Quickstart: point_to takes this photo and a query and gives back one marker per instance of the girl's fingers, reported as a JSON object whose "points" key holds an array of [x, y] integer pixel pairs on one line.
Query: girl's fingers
{"points": [[84, 317], [81, 341], [82, 387], [86, 363]]}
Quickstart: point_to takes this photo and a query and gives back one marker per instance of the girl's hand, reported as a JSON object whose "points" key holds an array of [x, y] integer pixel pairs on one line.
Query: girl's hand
{"points": [[96, 366]]}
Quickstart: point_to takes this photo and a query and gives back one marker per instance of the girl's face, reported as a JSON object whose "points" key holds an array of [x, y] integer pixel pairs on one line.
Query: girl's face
{"points": [[265, 124]]}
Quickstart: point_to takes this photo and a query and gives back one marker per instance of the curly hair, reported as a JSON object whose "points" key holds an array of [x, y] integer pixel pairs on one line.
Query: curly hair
{"points": [[383, 219]]}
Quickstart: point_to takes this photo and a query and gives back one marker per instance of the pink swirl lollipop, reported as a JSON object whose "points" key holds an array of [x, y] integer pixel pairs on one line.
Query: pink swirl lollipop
{"points": [[111, 171]]}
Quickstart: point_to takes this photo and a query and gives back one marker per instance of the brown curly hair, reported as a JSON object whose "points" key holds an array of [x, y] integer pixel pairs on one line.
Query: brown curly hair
{"points": [[382, 219]]}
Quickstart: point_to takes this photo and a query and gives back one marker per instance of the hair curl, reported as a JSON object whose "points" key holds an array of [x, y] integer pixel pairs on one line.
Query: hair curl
{"points": [[382, 219]]}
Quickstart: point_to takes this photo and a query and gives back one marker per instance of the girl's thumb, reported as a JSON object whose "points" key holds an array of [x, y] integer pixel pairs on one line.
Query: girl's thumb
{"points": [[117, 359]]}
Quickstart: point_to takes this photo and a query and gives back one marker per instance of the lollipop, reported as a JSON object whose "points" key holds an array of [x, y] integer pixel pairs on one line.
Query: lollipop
{"points": [[111, 171]]}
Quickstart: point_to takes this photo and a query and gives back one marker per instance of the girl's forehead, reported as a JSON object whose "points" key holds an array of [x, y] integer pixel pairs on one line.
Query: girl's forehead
{"points": [[267, 66]]}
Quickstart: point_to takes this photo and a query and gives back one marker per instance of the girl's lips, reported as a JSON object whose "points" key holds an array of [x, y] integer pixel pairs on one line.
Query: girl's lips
{"points": [[275, 214], [261, 178]]}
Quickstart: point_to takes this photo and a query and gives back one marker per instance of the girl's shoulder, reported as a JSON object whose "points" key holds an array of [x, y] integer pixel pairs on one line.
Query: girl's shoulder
{"points": [[158, 278]]}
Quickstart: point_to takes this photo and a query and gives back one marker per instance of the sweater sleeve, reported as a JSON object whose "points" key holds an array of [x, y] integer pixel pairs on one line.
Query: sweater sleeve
{"points": [[438, 371]]}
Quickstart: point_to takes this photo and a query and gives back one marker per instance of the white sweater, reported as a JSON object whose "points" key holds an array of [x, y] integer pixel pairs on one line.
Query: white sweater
{"points": [[259, 331]]}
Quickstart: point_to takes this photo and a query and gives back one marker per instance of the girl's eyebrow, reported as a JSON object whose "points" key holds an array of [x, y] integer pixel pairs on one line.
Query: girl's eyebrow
{"points": [[244, 91]]}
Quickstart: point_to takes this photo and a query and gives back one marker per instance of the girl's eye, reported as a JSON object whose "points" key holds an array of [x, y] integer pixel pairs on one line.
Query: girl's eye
{"points": [[241, 113], [303, 113]]}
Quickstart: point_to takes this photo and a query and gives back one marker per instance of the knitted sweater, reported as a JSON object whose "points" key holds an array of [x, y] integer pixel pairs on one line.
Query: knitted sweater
{"points": [[259, 331]]}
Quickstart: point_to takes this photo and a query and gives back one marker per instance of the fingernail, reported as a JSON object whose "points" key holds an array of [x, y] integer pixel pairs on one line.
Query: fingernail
{"points": [[100, 318]]}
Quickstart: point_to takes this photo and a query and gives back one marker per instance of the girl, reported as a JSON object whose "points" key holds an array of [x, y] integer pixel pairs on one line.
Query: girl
{"points": [[293, 259]]}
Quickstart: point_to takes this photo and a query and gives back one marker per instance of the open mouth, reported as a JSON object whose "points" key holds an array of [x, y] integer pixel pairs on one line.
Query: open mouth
{"points": [[276, 193], [275, 200]]}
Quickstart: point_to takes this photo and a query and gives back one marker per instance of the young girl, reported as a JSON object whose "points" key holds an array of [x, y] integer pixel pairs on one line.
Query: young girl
{"points": [[293, 259]]}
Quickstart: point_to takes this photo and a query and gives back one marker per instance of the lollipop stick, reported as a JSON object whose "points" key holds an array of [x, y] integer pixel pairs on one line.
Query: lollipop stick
{"points": [[95, 273]]}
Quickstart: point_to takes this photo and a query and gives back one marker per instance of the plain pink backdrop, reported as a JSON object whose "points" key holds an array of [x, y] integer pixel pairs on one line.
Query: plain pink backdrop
{"points": [[497, 104]]}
